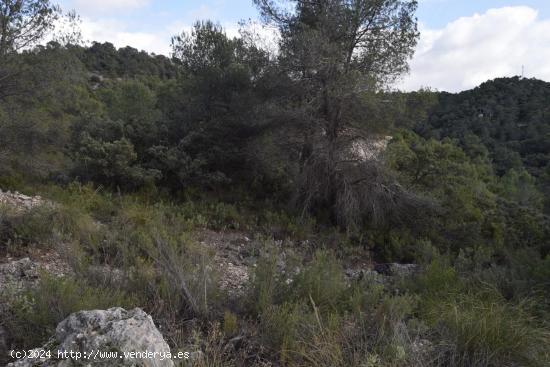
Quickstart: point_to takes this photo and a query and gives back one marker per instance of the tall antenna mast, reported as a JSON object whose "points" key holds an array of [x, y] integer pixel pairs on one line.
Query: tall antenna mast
{"points": [[522, 71]]}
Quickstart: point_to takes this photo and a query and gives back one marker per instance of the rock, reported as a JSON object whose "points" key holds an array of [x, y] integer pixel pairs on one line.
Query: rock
{"points": [[16, 274], [358, 274], [19, 201], [397, 270], [383, 269], [382, 273], [235, 277], [403, 270], [115, 330], [22, 268]]}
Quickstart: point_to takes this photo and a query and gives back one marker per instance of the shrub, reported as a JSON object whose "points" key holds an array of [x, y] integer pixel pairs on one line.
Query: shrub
{"points": [[482, 329], [230, 325], [28, 227], [322, 281], [280, 327], [266, 284], [214, 349], [36, 313], [438, 279]]}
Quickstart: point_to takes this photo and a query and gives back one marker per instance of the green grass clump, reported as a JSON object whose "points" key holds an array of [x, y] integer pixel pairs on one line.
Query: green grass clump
{"points": [[483, 330], [472, 324]]}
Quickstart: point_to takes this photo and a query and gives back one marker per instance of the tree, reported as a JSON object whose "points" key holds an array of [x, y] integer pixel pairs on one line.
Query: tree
{"points": [[520, 186], [441, 170], [35, 117], [331, 52], [213, 119], [23, 23], [103, 154]]}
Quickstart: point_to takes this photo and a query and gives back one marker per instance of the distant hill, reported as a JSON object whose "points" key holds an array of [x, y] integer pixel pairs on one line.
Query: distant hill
{"points": [[508, 118], [127, 62]]}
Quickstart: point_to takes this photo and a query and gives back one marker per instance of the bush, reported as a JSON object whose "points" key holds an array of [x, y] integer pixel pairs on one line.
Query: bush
{"points": [[29, 227], [485, 330], [36, 313], [322, 281], [280, 327], [230, 325]]}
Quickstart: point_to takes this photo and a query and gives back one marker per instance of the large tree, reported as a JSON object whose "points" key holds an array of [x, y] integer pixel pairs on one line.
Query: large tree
{"points": [[213, 118], [331, 53], [23, 24]]}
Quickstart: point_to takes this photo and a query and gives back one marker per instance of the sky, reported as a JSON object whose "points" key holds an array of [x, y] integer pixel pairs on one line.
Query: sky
{"points": [[462, 44]]}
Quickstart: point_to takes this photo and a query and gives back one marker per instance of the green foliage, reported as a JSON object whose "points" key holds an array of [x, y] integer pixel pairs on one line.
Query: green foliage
{"points": [[472, 324], [485, 330], [322, 281], [140, 153], [439, 278], [44, 226], [266, 284], [36, 313], [280, 326], [505, 117], [230, 325], [35, 119], [520, 187], [32, 227], [218, 97], [106, 61]]}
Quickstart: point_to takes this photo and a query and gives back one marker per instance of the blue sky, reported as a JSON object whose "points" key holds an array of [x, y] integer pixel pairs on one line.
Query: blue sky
{"points": [[147, 14], [437, 13], [463, 43]]}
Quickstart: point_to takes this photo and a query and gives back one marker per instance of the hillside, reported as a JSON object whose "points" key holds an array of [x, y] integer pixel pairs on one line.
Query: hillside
{"points": [[258, 209], [510, 117], [507, 119]]}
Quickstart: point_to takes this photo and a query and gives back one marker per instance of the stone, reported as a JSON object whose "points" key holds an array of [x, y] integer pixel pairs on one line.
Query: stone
{"points": [[16, 275], [115, 331], [396, 270], [20, 202], [403, 270], [383, 269]]}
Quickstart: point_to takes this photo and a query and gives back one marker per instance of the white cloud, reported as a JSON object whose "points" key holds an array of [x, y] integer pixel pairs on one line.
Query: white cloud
{"points": [[109, 30], [117, 33], [106, 6], [471, 50]]}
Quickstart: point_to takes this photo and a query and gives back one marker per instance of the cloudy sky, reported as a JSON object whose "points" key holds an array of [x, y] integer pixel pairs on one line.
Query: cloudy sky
{"points": [[463, 42]]}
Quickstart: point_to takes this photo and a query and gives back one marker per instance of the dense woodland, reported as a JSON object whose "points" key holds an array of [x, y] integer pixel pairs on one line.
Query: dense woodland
{"points": [[228, 136]]}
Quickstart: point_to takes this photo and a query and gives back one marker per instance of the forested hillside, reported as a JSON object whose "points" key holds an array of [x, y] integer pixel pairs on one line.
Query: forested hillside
{"points": [[284, 209], [506, 119]]}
